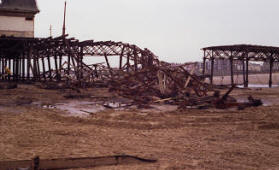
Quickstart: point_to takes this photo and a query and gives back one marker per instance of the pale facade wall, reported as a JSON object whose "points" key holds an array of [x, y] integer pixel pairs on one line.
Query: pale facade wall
{"points": [[16, 26]]}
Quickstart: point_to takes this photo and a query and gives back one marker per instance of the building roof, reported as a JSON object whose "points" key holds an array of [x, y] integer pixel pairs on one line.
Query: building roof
{"points": [[242, 51], [244, 47], [24, 6]]}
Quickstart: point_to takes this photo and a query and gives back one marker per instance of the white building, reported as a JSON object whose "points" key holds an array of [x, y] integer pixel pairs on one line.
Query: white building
{"points": [[17, 17]]}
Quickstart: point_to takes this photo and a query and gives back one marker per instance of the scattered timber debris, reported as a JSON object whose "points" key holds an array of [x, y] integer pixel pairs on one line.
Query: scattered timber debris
{"points": [[58, 63], [72, 163], [157, 83]]}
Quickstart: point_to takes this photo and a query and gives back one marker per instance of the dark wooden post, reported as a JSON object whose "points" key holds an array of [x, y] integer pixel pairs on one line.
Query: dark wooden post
{"points": [[18, 67], [38, 67], [44, 69], [23, 67], [2, 67], [49, 66], [203, 64], [60, 62], [29, 63], [56, 67], [243, 71], [247, 72], [81, 63], [106, 57], [231, 64], [10, 67], [128, 62], [270, 70], [14, 69], [121, 56], [212, 68], [1, 70]]}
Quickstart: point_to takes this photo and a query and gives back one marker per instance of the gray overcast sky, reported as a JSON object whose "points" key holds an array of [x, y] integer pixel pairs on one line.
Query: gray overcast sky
{"points": [[175, 30]]}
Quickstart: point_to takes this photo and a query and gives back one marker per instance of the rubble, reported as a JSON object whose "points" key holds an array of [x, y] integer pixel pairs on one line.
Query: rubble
{"points": [[140, 75]]}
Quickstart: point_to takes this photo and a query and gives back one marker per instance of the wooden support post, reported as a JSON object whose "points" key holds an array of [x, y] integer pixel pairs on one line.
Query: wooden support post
{"points": [[79, 64], [44, 69], [60, 62], [128, 62], [38, 67], [1, 70], [270, 71], [247, 72], [81, 60], [35, 67], [18, 68], [203, 65], [10, 67], [108, 64], [212, 70], [14, 69], [28, 63], [56, 67], [243, 71], [232, 73], [121, 58], [73, 61], [78, 67], [96, 71], [23, 67], [49, 67], [4, 66]]}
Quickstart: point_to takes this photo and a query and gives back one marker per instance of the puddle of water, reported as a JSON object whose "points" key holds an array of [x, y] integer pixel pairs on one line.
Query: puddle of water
{"points": [[161, 108], [266, 102], [79, 108], [86, 108]]}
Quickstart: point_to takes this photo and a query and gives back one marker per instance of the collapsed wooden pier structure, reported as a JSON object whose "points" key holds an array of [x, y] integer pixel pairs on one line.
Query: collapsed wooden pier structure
{"points": [[61, 59], [244, 53], [137, 75]]}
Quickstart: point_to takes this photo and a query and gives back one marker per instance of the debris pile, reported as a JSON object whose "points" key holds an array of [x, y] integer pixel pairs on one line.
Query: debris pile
{"points": [[173, 85], [60, 63], [170, 83]]}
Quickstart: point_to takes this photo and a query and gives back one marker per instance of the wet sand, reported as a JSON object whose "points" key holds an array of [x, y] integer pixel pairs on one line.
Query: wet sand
{"points": [[188, 139]]}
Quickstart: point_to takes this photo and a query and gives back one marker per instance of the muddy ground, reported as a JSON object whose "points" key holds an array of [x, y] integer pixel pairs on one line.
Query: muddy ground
{"points": [[187, 139]]}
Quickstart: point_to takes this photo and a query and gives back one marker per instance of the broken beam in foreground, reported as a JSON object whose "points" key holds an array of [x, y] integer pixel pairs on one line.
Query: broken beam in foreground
{"points": [[70, 163]]}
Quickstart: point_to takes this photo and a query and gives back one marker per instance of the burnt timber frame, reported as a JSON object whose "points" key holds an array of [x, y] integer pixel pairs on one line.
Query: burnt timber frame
{"points": [[61, 59], [242, 52]]}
